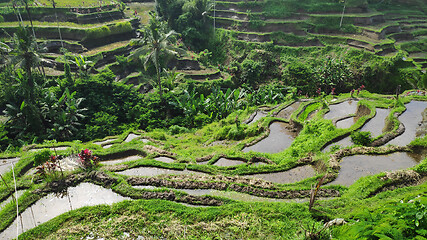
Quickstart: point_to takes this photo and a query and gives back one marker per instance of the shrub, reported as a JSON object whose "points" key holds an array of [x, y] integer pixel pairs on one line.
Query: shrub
{"points": [[236, 133], [361, 138], [41, 157], [201, 119], [175, 129]]}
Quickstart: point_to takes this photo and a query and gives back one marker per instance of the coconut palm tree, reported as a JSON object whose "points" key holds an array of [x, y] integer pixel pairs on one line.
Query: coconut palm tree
{"points": [[155, 43], [24, 52]]}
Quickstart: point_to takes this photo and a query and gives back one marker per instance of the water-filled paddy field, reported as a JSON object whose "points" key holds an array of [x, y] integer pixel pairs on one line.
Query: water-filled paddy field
{"points": [[256, 172]]}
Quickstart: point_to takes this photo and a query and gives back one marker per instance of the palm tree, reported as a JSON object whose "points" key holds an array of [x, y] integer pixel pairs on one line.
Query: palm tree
{"points": [[27, 8], [24, 53], [155, 43]]}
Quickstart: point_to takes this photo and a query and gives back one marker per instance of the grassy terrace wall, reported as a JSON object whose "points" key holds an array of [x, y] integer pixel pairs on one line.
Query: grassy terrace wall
{"points": [[75, 33]]}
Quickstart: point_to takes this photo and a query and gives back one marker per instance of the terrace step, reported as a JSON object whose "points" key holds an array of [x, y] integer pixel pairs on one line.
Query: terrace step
{"points": [[360, 45], [236, 8], [206, 74], [231, 15], [244, 26], [184, 64], [403, 36]]}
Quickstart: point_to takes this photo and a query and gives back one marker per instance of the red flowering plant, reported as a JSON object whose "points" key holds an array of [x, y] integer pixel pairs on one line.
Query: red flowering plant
{"points": [[49, 169], [88, 160]]}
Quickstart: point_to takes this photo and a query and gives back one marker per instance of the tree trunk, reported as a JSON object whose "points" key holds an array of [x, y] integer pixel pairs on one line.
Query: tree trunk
{"points": [[158, 73]]}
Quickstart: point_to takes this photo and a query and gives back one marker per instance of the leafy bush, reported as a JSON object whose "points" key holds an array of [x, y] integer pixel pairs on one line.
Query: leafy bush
{"points": [[41, 157], [236, 132], [361, 138], [300, 75], [397, 221], [175, 129], [222, 133]]}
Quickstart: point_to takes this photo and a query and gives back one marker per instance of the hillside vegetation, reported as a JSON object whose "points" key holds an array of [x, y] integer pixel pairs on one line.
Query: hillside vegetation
{"points": [[213, 119]]}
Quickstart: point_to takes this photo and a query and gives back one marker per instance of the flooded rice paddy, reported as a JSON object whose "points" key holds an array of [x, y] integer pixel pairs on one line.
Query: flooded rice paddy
{"points": [[131, 137], [293, 175], [355, 167], [411, 118], [287, 112], [52, 205], [258, 116], [5, 164], [280, 138], [377, 123], [224, 162], [153, 171], [121, 160], [346, 123], [341, 109], [164, 159]]}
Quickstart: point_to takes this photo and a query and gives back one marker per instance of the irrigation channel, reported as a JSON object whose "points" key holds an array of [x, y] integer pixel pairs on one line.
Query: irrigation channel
{"points": [[281, 135]]}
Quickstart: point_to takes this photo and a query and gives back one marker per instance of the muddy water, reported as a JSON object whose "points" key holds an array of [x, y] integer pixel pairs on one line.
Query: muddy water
{"points": [[377, 123], [346, 123], [121, 160], [5, 164], [279, 139], [354, 167], [341, 109], [287, 112], [164, 159], [345, 142], [85, 194], [411, 118], [258, 116], [152, 171], [131, 136], [224, 162], [293, 175]]}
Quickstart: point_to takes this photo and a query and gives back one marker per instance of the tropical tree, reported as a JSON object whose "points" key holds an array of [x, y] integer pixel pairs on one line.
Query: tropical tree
{"points": [[24, 52], [155, 44]]}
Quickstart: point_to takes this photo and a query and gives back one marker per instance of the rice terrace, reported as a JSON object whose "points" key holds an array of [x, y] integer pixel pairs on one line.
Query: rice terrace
{"points": [[212, 119]]}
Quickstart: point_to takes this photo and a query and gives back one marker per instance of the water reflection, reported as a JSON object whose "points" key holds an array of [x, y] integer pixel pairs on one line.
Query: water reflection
{"points": [[279, 139], [341, 109], [411, 118], [50, 206], [354, 167], [224, 162], [153, 171], [287, 112], [377, 123], [293, 175]]}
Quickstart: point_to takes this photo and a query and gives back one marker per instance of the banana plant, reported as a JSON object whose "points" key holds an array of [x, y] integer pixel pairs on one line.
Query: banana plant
{"points": [[84, 66], [191, 104], [67, 114]]}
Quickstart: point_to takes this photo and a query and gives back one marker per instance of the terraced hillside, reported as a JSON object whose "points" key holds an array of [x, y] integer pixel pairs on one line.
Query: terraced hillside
{"points": [[271, 172], [97, 30], [370, 28]]}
